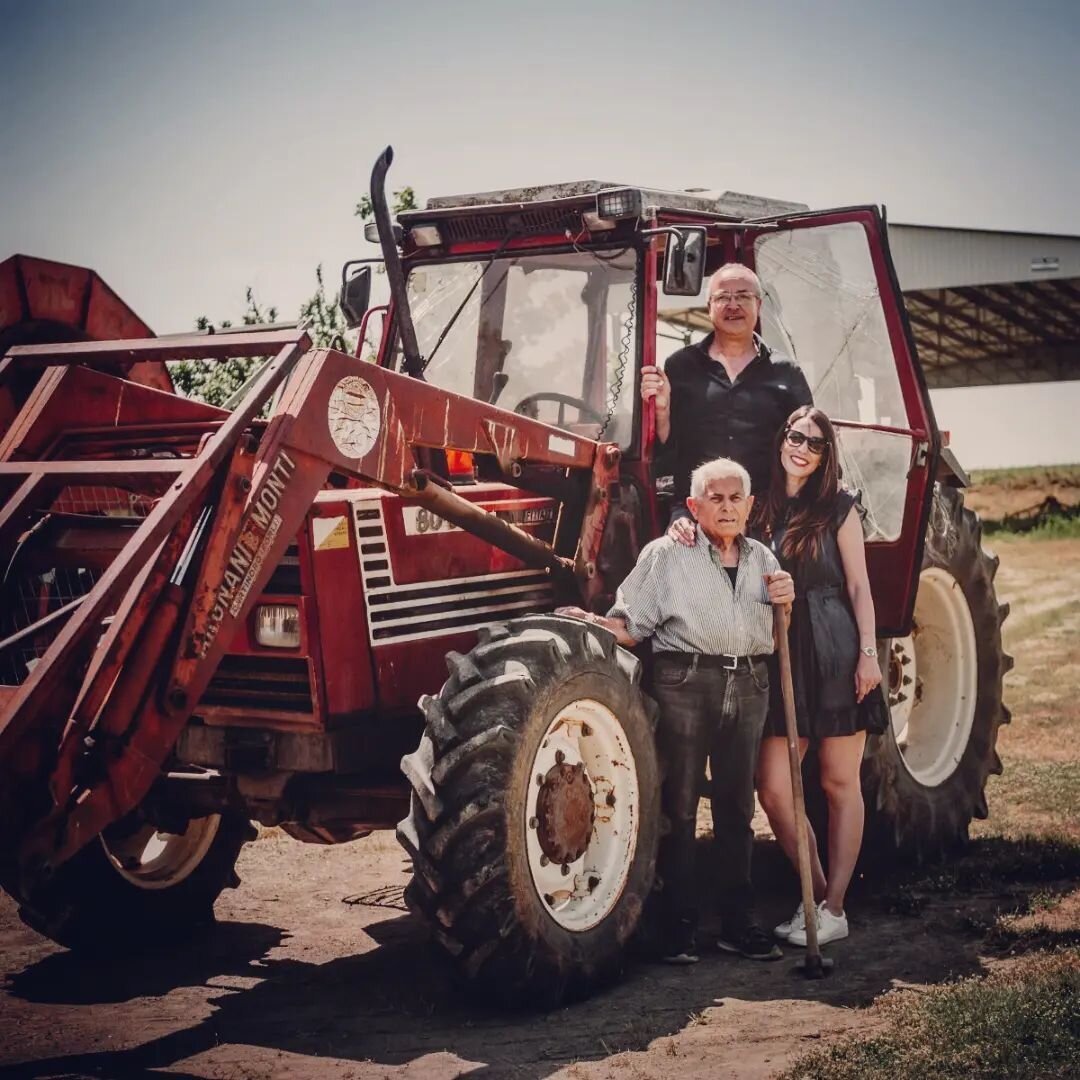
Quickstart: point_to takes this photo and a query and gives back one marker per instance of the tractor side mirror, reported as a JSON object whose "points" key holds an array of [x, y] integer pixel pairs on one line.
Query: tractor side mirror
{"points": [[355, 295], [684, 268], [371, 233]]}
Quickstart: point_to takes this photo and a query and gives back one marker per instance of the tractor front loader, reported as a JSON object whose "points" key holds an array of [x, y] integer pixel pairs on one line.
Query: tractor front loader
{"points": [[87, 738]]}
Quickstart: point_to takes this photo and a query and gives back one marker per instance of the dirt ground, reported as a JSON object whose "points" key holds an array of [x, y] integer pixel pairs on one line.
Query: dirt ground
{"points": [[998, 493], [315, 971]]}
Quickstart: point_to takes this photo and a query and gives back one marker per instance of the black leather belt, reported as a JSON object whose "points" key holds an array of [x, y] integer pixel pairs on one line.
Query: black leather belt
{"points": [[708, 660]]}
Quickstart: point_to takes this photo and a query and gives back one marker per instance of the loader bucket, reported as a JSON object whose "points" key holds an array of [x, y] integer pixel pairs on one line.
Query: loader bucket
{"points": [[44, 302]]}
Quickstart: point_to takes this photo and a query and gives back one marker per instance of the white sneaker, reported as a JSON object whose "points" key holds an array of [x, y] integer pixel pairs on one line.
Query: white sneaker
{"points": [[796, 922], [830, 928]]}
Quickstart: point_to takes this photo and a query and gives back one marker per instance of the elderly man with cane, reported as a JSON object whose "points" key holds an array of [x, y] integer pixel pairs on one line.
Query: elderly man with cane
{"points": [[706, 609]]}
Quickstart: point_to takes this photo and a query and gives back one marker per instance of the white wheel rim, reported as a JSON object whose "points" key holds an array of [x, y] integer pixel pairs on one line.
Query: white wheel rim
{"points": [[933, 680], [151, 859], [587, 737]]}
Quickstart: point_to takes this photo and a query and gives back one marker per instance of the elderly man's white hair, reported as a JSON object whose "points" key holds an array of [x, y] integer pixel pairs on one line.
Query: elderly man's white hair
{"points": [[743, 269], [717, 469]]}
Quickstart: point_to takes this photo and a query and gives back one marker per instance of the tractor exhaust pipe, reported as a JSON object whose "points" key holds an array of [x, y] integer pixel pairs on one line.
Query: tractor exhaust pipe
{"points": [[395, 276]]}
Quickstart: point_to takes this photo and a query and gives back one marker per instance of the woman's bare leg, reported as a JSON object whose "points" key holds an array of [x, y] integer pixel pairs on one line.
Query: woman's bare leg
{"points": [[774, 793], [840, 760]]}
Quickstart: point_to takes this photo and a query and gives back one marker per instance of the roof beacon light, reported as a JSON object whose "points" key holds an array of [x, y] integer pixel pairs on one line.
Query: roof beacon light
{"points": [[619, 203]]}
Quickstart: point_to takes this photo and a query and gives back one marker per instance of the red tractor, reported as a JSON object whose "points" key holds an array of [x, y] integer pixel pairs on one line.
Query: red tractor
{"points": [[211, 617]]}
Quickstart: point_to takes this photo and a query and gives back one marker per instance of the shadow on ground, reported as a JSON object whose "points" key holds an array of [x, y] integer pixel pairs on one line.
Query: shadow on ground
{"points": [[396, 1003]]}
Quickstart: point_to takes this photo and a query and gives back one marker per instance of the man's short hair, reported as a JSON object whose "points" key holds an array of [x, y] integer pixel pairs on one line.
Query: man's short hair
{"points": [[717, 469], [736, 266]]}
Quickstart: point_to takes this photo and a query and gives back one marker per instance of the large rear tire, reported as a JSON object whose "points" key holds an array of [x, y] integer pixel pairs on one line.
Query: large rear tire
{"points": [[134, 884], [925, 778], [535, 810]]}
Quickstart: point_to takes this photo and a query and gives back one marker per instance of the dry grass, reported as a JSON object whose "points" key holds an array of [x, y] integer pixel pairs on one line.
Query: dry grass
{"points": [[1039, 791], [1039, 478]]}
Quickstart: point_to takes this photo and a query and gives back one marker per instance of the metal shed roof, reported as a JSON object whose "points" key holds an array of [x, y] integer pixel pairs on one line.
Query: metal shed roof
{"points": [[990, 307]]}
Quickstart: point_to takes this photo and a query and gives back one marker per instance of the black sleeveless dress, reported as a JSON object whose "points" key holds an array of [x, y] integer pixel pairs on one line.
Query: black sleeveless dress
{"points": [[824, 640]]}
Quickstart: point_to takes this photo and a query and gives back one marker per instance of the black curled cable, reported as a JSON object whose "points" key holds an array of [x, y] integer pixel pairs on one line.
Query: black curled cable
{"points": [[626, 343]]}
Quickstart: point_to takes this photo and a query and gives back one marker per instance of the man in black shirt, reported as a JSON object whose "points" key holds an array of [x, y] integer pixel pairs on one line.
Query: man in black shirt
{"points": [[726, 396]]}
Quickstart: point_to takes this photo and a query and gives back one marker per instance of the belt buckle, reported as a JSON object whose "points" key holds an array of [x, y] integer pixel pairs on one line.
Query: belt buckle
{"points": [[733, 666]]}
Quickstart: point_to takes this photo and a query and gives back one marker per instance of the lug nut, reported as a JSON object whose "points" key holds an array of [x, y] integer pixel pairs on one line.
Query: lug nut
{"points": [[566, 869], [544, 860], [560, 757], [539, 779], [534, 822]]}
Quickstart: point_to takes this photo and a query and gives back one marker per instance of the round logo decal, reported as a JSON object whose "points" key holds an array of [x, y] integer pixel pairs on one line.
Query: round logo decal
{"points": [[354, 417]]}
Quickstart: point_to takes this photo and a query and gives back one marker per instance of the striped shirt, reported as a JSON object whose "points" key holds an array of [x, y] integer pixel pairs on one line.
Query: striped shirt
{"points": [[681, 598]]}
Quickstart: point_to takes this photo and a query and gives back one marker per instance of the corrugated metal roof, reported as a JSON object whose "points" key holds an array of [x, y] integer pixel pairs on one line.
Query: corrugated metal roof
{"points": [[930, 257]]}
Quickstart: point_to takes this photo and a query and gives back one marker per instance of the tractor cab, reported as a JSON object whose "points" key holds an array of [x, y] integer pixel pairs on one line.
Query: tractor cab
{"points": [[548, 301]]}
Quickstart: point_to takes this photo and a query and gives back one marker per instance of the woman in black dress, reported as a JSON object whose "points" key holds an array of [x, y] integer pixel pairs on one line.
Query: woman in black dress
{"points": [[815, 527]]}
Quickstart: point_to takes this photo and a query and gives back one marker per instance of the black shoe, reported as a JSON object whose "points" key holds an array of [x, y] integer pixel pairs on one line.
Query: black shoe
{"points": [[751, 941]]}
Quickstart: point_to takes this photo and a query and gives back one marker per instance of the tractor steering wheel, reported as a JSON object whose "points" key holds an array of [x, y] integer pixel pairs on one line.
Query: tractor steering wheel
{"points": [[586, 413]]}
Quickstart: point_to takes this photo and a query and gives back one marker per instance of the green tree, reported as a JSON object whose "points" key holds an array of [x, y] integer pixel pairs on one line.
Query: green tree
{"points": [[404, 199], [215, 381], [325, 320]]}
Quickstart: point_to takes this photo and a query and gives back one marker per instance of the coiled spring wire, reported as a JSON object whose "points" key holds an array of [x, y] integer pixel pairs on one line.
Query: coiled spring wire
{"points": [[626, 343]]}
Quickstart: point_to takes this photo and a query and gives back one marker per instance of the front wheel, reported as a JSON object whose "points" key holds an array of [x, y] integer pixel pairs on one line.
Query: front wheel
{"points": [[925, 778], [135, 882], [535, 810]]}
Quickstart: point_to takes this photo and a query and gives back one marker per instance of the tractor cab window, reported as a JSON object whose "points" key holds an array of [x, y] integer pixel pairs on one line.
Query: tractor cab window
{"points": [[550, 336], [822, 307]]}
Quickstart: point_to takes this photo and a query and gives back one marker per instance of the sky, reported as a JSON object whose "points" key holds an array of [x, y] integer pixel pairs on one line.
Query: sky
{"points": [[188, 150]]}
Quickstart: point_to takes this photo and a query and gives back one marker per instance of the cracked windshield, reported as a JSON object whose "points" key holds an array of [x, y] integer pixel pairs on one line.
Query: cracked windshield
{"points": [[822, 308], [548, 336]]}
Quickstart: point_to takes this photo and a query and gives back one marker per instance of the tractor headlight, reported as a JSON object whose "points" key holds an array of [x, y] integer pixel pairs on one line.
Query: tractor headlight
{"points": [[277, 626], [426, 235], [617, 203]]}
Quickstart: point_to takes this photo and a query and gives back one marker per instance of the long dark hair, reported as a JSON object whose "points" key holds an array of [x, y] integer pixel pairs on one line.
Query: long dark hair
{"points": [[815, 507]]}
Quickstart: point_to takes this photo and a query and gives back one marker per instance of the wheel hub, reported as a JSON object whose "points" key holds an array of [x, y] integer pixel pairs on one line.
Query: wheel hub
{"points": [[581, 825], [153, 859], [933, 680], [565, 813]]}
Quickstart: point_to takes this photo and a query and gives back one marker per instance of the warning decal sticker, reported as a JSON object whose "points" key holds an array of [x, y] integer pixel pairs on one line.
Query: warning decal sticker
{"points": [[329, 533]]}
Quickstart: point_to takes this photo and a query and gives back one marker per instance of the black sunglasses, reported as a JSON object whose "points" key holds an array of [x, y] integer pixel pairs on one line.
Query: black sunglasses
{"points": [[814, 443]]}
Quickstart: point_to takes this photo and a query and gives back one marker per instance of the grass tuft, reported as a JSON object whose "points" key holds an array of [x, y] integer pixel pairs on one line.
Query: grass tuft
{"points": [[1055, 527], [1020, 1022]]}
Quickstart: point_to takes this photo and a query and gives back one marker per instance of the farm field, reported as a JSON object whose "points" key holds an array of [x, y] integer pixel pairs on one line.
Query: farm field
{"points": [[315, 970]]}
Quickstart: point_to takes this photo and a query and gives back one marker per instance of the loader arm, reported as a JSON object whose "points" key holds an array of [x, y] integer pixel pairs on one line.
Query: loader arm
{"points": [[85, 736]]}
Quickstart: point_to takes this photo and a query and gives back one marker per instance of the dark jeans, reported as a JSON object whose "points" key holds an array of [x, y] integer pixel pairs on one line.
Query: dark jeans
{"points": [[707, 712]]}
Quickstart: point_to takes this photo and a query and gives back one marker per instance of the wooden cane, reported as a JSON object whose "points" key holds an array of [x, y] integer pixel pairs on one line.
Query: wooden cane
{"points": [[812, 965]]}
